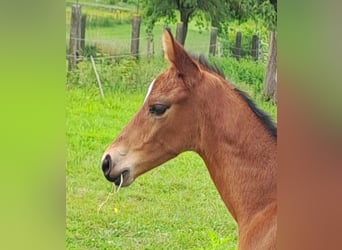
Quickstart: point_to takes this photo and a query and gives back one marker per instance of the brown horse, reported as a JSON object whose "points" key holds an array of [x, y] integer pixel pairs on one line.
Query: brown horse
{"points": [[192, 107]]}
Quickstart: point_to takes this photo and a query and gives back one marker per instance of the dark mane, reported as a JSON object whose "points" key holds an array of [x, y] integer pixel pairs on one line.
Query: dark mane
{"points": [[261, 115]]}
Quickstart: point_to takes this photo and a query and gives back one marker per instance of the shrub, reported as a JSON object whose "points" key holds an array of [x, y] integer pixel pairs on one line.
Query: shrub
{"points": [[248, 29], [118, 74], [245, 71]]}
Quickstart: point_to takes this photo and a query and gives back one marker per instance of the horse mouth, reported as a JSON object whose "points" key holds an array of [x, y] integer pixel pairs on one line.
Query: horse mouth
{"points": [[121, 179]]}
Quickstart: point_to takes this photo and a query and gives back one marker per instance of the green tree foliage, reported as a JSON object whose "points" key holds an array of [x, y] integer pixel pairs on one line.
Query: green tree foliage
{"points": [[267, 11], [217, 12], [214, 11]]}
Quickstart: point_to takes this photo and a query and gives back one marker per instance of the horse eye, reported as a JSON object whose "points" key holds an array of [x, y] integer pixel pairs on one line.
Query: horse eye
{"points": [[158, 109]]}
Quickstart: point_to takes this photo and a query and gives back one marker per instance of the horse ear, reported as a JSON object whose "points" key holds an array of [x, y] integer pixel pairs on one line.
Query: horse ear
{"points": [[177, 56]]}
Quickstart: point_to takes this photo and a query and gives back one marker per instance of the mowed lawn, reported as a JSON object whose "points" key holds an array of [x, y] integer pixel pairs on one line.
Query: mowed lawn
{"points": [[175, 206]]}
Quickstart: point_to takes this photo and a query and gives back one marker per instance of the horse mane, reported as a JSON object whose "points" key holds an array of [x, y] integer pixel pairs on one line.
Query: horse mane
{"points": [[260, 114]]}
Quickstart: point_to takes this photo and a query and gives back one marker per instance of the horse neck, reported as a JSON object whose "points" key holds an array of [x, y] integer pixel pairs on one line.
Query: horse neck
{"points": [[239, 153]]}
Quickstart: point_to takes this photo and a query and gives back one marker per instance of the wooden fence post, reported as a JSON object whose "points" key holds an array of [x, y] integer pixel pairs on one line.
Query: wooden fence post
{"points": [[237, 51], [149, 42], [74, 45], [83, 30], [212, 45], [219, 50], [135, 36], [180, 33], [255, 47]]}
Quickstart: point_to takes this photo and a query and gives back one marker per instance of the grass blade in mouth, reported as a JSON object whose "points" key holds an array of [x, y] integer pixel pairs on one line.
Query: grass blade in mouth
{"points": [[121, 181]]}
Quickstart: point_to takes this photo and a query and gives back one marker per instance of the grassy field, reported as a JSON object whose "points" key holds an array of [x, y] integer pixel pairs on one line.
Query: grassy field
{"points": [[175, 206]]}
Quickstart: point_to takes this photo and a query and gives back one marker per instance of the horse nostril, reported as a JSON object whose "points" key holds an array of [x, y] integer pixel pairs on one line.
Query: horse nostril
{"points": [[106, 165]]}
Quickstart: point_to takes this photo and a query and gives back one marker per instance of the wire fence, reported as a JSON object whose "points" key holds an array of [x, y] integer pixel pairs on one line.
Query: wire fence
{"points": [[100, 6], [107, 41], [121, 48]]}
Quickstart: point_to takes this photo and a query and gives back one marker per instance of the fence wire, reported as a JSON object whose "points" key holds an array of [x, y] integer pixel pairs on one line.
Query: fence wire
{"points": [[121, 48], [113, 47]]}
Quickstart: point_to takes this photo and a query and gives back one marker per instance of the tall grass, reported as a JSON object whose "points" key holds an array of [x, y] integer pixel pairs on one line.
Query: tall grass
{"points": [[123, 74]]}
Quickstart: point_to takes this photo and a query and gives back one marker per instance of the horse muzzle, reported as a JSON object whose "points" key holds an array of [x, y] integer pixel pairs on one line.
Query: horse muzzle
{"points": [[113, 173]]}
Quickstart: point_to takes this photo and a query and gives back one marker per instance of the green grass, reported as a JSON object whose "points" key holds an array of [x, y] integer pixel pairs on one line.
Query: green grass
{"points": [[174, 206]]}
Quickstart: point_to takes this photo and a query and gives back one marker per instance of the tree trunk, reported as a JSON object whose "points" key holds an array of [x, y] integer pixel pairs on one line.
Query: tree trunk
{"points": [[270, 87], [185, 16]]}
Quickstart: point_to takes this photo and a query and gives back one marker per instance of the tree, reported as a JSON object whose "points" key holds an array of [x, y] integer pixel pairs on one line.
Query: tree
{"points": [[270, 84], [265, 10], [216, 11]]}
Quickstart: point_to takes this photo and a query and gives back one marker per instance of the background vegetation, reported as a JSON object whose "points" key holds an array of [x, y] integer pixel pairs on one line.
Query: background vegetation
{"points": [[109, 30]]}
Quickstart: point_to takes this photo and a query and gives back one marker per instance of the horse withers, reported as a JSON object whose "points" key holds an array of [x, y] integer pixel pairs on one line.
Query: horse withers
{"points": [[191, 107]]}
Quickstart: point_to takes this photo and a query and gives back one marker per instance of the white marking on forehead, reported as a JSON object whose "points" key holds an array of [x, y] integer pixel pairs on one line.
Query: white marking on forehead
{"points": [[149, 90]]}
